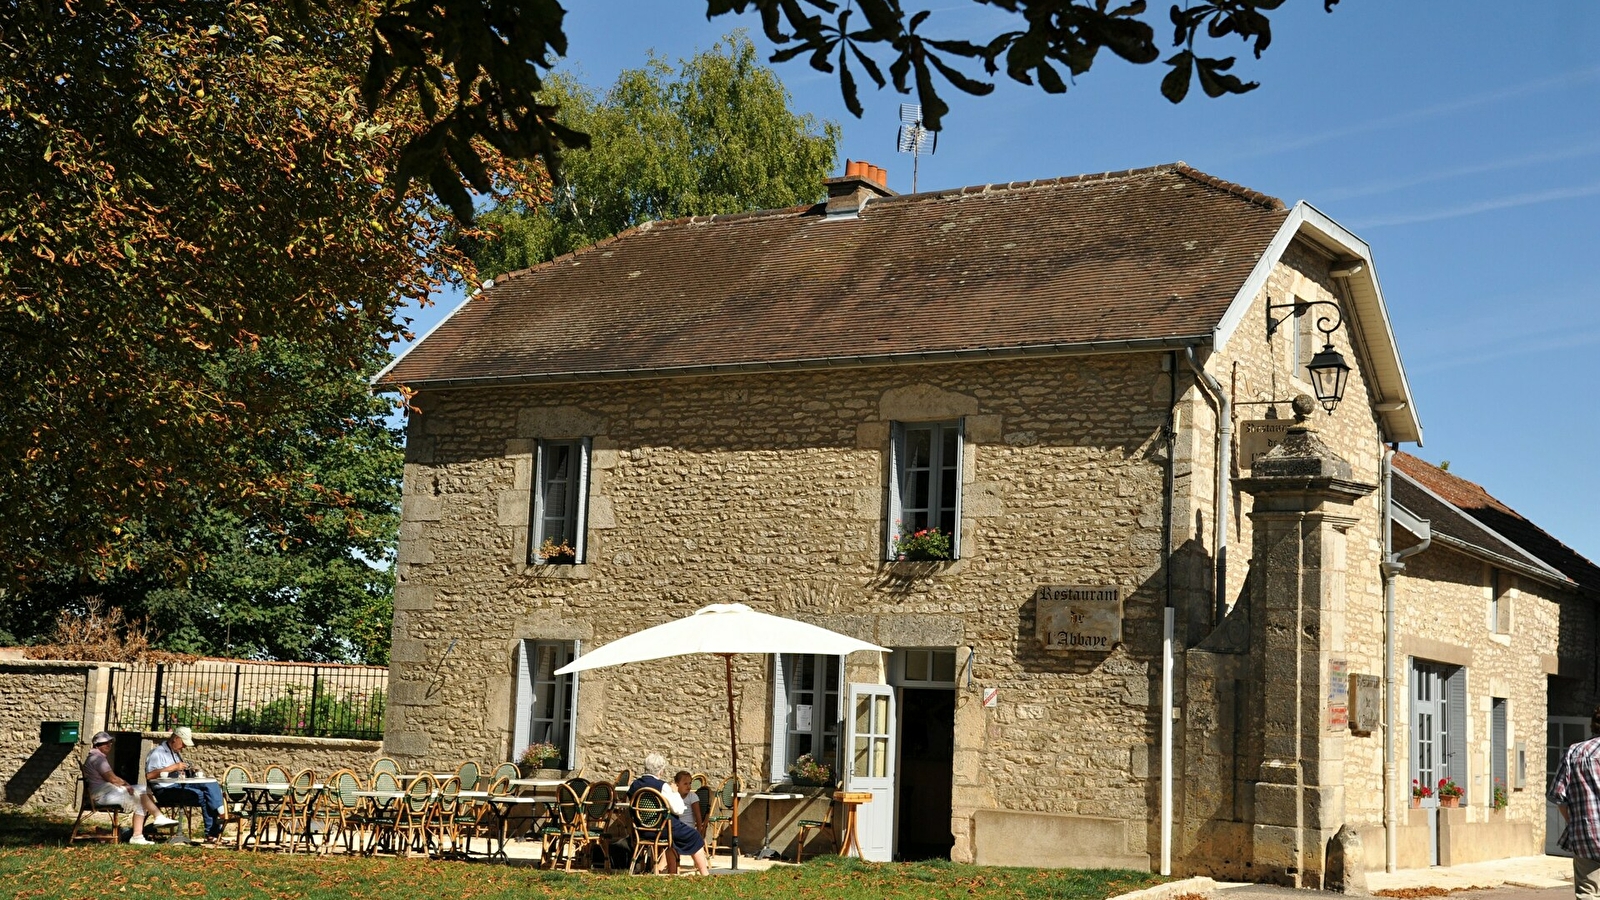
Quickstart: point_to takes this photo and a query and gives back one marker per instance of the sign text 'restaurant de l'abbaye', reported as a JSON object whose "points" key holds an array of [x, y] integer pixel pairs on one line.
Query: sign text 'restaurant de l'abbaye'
{"points": [[1079, 617]]}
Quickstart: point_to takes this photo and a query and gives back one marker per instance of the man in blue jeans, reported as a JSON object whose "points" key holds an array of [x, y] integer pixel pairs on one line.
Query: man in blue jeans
{"points": [[166, 762], [1576, 789]]}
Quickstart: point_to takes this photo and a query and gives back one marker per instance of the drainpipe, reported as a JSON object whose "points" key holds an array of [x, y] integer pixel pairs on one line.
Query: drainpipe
{"points": [[1219, 515], [1392, 566], [1170, 363]]}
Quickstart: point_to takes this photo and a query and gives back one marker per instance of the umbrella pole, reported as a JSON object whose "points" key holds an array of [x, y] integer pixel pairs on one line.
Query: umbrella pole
{"points": [[733, 744]]}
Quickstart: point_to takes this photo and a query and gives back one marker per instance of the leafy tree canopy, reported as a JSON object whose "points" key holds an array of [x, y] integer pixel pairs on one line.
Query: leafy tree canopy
{"points": [[715, 136], [313, 584]]}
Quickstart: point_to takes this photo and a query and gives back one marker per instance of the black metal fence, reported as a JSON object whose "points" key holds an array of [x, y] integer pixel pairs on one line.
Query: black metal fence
{"points": [[251, 698]]}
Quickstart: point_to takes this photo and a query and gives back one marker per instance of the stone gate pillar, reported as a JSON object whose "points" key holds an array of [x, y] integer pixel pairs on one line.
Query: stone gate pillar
{"points": [[1303, 495]]}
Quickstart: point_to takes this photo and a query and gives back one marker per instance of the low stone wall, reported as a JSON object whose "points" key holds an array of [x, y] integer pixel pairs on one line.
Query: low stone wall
{"points": [[33, 692]]}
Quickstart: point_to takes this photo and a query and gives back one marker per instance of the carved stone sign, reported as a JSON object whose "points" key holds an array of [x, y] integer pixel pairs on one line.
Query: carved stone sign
{"points": [[1257, 436], [1079, 617]]}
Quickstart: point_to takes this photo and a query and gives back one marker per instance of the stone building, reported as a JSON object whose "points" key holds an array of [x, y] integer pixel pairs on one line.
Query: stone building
{"points": [[1078, 383]]}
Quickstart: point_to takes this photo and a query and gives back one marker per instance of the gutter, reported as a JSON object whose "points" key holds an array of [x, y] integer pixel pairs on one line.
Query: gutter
{"points": [[1393, 564], [860, 361]]}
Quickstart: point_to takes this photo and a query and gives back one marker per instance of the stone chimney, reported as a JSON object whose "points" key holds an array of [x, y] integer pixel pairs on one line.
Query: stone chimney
{"points": [[861, 182]]}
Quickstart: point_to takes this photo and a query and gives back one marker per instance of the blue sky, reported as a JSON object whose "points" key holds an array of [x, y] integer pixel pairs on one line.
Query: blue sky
{"points": [[1460, 138]]}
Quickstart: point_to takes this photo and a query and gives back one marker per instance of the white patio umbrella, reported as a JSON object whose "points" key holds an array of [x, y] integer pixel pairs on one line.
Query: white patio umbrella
{"points": [[724, 629]]}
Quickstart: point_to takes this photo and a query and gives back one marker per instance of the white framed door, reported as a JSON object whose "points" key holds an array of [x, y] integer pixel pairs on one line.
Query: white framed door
{"points": [[1561, 733], [870, 745]]}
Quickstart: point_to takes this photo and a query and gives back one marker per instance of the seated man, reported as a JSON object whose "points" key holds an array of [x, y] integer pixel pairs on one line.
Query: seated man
{"points": [[105, 787], [166, 761]]}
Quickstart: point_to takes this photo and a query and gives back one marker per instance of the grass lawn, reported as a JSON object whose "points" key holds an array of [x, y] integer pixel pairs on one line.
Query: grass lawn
{"points": [[33, 864]]}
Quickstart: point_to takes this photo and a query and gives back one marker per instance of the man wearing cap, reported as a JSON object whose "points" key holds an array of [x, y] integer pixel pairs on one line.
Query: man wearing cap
{"points": [[166, 762], [106, 788]]}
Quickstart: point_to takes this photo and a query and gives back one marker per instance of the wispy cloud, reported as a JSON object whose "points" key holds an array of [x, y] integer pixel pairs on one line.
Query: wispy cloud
{"points": [[1468, 209], [1565, 79], [1499, 165]]}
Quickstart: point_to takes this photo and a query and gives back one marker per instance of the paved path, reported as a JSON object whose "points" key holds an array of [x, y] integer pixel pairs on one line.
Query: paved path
{"points": [[1521, 878]]}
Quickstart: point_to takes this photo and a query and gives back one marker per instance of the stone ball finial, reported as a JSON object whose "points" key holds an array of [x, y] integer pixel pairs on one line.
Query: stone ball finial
{"points": [[1304, 406]]}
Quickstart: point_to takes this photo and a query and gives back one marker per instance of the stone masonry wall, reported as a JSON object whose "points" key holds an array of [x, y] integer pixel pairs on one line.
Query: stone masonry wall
{"points": [[32, 692], [771, 490]]}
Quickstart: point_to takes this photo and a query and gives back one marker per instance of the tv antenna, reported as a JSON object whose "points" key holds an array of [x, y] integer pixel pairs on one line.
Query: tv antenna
{"points": [[914, 137]]}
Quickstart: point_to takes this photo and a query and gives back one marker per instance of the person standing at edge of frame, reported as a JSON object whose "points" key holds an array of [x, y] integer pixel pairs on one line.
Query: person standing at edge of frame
{"points": [[1576, 790]]}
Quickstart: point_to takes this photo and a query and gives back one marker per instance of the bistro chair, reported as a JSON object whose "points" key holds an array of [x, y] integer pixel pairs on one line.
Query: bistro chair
{"points": [[508, 771], [652, 829], [823, 824], [467, 775], [721, 813], [624, 778], [344, 813], [556, 837], [699, 780], [294, 813], [443, 820], [416, 812], [703, 792], [383, 764], [234, 797], [475, 819], [597, 803], [379, 815], [271, 806], [87, 807]]}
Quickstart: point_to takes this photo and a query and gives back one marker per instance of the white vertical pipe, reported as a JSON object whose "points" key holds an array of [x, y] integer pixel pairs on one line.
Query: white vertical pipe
{"points": [[1166, 741]]}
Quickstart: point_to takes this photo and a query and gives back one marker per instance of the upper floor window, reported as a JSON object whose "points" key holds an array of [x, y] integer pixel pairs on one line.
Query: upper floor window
{"points": [[560, 500], [925, 491], [1499, 601]]}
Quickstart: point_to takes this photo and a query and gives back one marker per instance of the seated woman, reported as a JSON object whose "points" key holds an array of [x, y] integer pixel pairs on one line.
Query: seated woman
{"points": [[685, 838]]}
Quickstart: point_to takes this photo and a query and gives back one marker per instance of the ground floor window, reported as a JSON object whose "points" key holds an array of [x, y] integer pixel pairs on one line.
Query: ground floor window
{"points": [[545, 702], [1438, 727], [805, 710]]}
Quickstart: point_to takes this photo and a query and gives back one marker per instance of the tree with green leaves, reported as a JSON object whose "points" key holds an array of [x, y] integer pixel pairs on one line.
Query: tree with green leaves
{"points": [[714, 136], [313, 584]]}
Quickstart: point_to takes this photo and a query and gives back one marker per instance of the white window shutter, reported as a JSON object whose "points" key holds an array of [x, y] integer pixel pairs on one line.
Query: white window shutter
{"points": [[1456, 767], [572, 710], [891, 529], [536, 504], [780, 714], [961, 451], [522, 709], [580, 538]]}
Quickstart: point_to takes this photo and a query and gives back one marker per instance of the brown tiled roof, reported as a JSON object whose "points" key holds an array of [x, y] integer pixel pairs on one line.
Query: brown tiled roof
{"points": [[1505, 523], [1125, 258]]}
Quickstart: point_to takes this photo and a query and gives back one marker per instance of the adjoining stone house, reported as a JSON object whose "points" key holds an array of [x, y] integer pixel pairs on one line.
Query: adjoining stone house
{"points": [[754, 408]]}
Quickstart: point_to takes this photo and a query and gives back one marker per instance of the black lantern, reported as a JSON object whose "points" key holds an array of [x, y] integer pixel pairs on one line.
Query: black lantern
{"points": [[1329, 372]]}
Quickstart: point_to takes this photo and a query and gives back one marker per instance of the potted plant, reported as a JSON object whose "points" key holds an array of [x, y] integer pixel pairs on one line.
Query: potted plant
{"points": [[926, 545], [1500, 800], [1419, 793], [537, 756], [1449, 793], [555, 554], [808, 772]]}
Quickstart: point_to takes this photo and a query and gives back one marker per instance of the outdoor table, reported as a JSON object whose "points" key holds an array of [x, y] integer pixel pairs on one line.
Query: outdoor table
{"points": [[500, 807], [179, 837], [766, 851], [536, 782], [259, 796], [852, 837]]}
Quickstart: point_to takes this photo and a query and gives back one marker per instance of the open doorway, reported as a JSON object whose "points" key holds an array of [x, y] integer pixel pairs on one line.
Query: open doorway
{"points": [[927, 753]]}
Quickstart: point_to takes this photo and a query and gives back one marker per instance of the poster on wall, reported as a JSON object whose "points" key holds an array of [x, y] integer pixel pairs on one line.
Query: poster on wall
{"points": [[1338, 693]]}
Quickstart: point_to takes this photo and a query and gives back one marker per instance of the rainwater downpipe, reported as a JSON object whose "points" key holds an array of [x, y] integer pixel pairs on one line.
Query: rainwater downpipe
{"points": [[1392, 566], [1170, 364], [1219, 512]]}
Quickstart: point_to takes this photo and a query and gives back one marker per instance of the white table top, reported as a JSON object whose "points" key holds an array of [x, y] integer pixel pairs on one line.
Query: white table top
{"points": [[170, 782], [389, 795], [513, 798], [765, 795], [261, 785]]}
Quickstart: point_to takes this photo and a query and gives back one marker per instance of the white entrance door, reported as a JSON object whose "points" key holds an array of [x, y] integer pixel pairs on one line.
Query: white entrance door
{"points": [[872, 753], [1563, 732]]}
